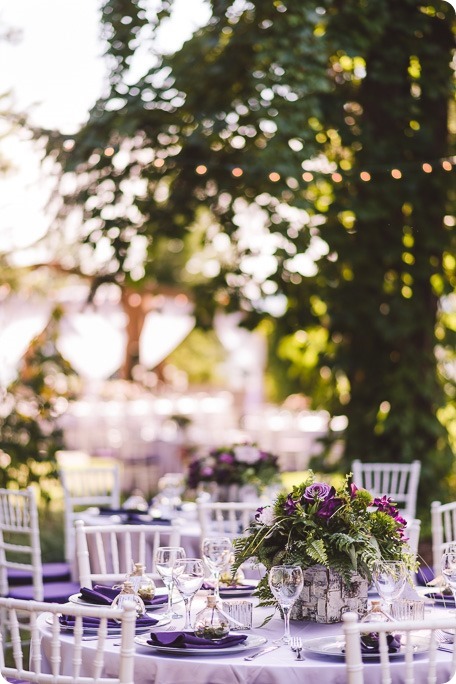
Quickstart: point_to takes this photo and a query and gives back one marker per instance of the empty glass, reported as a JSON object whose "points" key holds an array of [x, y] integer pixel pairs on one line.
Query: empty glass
{"points": [[217, 554], [188, 575], [286, 582], [165, 557], [449, 570], [389, 579]]}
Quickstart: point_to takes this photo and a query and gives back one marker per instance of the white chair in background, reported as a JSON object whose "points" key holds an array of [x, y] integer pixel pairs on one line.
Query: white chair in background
{"points": [[23, 575], [106, 553], [227, 519], [412, 531], [76, 668], [443, 530], [84, 487], [360, 673], [397, 480]]}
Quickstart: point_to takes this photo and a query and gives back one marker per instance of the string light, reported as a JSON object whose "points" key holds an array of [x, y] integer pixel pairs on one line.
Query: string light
{"points": [[446, 164]]}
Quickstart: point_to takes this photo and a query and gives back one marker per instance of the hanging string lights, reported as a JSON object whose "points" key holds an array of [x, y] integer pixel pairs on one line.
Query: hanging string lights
{"points": [[337, 176]]}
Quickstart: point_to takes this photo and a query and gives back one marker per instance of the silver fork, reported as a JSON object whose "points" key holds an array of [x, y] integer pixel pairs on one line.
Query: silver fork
{"points": [[296, 647]]}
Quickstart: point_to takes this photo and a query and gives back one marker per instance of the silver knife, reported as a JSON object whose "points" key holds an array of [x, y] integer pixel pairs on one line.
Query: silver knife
{"points": [[268, 649]]}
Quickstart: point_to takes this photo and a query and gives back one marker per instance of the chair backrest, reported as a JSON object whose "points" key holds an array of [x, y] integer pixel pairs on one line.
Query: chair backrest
{"points": [[85, 487], [20, 538], [359, 673], [443, 530], [412, 531], [398, 480], [106, 553], [65, 670], [228, 519]]}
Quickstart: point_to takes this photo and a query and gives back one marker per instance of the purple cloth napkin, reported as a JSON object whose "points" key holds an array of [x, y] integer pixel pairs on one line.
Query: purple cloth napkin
{"points": [[448, 599], [104, 596], [370, 643], [189, 640], [68, 622], [206, 586]]}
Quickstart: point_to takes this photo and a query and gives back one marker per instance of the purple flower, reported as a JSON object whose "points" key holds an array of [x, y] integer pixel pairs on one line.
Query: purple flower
{"points": [[226, 458], [385, 505], [290, 505], [207, 471], [329, 507], [353, 490], [319, 491]]}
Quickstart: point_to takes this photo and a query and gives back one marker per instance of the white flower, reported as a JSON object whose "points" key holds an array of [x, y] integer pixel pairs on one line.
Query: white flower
{"points": [[245, 453], [265, 515]]}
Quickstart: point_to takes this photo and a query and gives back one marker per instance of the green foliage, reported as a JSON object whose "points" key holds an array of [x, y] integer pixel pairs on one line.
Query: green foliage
{"points": [[339, 527], [356, 87], [29, 430]]}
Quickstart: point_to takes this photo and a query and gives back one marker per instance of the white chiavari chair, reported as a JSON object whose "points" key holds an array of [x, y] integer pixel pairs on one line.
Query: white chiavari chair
{"points": [[23, 575], [397, 480], [84, 487], [64, 670], [228, 519], [443, 531], [106, 553], [358, 671]]}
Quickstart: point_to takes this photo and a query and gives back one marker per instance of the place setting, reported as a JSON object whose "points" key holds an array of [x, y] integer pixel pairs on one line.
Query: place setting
{"points": [[209, 633]]}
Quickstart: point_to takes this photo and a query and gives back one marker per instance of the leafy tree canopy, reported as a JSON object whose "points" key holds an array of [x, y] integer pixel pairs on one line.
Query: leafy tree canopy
{"points": [[295, 161]]}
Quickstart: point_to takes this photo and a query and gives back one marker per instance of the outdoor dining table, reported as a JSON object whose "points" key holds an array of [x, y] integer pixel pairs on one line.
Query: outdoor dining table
{"points": [[277, 667]]}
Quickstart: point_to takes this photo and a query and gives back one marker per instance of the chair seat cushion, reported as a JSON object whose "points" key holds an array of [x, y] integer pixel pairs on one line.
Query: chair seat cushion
{"points": [[52, 572], [57, 592]]}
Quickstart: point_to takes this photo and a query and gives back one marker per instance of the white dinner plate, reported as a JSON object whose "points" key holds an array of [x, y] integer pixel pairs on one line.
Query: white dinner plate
{"points": [[244, 588], [114, 630], [160, 591], [334, 647], [252, 641]]}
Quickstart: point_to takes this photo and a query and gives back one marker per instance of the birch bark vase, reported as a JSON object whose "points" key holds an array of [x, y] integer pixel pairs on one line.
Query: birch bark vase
{"points": [[325, 596]]}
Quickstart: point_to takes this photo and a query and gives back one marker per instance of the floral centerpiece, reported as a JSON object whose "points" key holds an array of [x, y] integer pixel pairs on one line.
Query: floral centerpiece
{"points": [[239, 464], [343, 529]]}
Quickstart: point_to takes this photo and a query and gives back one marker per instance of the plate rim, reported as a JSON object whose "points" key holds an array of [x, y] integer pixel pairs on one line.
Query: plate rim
{"points": [[202, 652], [162, 622], [160, 591], [365, 656]]}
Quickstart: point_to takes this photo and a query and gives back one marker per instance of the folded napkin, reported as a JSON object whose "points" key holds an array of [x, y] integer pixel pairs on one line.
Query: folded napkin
{"points": [[68, 622], [104, 596], [143, 518], [370, 643], [189, 640], [445, 598]]}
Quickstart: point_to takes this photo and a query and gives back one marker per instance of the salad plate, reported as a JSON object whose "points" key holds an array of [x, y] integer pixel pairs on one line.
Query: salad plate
{"points": [[333, 647], [160, 591], [252, 641]]}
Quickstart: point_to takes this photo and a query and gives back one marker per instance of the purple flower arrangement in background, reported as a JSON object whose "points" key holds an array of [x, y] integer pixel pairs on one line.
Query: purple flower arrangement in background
{"points": [[238, 464]]}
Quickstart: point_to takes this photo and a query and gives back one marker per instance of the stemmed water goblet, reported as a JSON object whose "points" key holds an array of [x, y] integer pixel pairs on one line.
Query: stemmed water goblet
{"points": [[449, 569], [165, 557], [217, 552], [188, 575], [389, 579], [286, 582]]}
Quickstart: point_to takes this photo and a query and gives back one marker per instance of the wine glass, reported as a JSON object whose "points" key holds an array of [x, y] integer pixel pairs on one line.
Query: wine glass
{"points": [[449, 569], [188, 575], [286, 582], [389, 579], [165, 557], [217, 553]]}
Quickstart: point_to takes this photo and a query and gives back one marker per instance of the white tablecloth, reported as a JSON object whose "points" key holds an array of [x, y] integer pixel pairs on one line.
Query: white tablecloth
{"points": [[277, 667]]}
